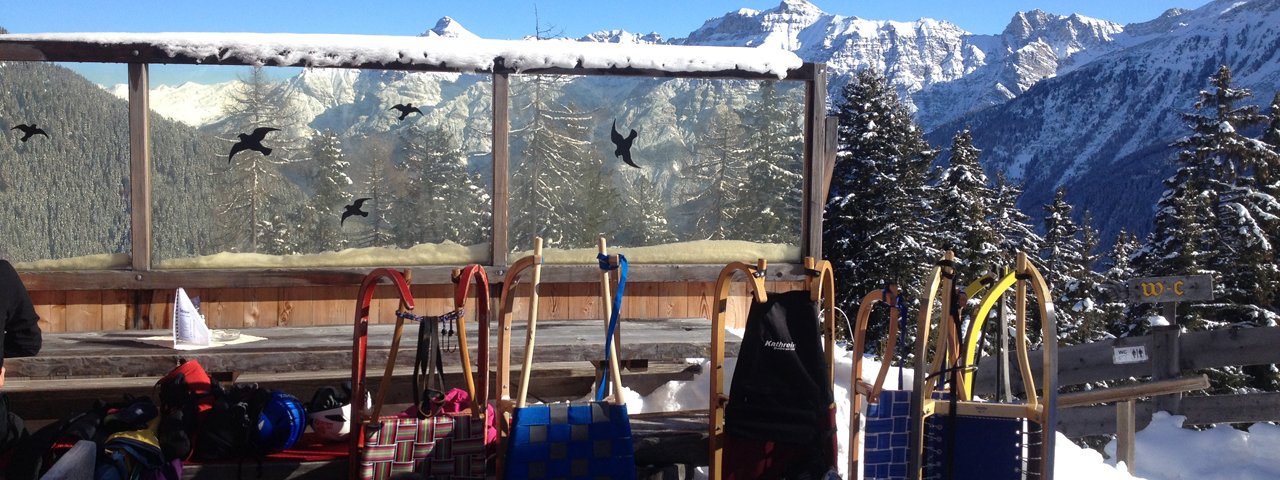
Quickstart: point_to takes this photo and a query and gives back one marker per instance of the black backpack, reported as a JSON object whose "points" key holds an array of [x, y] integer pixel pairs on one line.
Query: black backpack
{"points": [[229, 430]]}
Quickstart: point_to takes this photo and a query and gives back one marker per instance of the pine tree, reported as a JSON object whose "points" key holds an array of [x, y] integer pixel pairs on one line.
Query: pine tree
{"points": [[877, 226], [439, 201], [775, 154], [255, 192], [1068, 257], [964, 205], [1215, 219], [646, 222], [331, 192], [711, 180], [1013, 226], [378, 182], [547, 173], [1119, 270]]}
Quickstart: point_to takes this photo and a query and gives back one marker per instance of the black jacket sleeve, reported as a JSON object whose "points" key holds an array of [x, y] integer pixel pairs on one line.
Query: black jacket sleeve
{"points": [[21, 334]]}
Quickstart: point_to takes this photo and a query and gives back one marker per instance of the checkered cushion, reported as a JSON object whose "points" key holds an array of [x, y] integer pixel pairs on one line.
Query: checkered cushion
{"points": [[447, 447], [578, 441]]}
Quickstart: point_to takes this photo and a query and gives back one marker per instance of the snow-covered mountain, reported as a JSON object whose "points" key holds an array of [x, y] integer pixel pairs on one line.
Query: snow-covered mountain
{"points": [[194, 104], [1054, 99], [1102, 128]]}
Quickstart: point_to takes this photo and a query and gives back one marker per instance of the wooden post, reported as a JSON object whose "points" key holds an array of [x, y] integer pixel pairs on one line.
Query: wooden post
{"points": [[1126, 432], [1166, 364], [140, 167], [501, 164]]}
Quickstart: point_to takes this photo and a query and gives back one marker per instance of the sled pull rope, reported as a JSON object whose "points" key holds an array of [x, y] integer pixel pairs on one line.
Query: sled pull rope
{"points": [[607, 264]]}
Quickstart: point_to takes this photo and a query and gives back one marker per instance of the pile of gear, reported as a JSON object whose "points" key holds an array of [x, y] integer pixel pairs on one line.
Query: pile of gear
{"points": [[195, 420]]}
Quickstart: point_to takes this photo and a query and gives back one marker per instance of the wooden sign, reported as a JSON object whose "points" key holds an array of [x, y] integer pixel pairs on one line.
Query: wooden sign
{"points": [[1171, 289]]}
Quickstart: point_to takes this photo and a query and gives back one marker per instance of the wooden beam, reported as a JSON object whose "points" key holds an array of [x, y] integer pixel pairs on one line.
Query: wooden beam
{"points": [[501, 166], [1129, 392], [814, 155], [140, 166]]}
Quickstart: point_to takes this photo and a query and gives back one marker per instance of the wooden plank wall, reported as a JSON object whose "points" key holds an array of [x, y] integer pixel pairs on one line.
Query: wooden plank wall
{"points": [[95, 310]]}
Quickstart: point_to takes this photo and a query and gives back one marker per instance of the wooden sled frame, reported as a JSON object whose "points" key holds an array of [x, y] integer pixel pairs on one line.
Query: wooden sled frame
{"points": [[507, 299], [1039, 407], [859, 388], [820, 281]]}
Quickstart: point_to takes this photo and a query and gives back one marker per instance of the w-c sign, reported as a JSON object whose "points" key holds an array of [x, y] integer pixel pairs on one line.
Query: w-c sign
{"points": [[1192, 288]]}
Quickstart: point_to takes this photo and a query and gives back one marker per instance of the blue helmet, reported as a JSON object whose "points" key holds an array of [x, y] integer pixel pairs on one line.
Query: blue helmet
{"points": [[281, 423]]}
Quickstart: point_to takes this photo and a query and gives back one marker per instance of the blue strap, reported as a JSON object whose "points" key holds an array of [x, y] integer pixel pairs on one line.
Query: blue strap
{"points": [[901, 304], [613, 317]]}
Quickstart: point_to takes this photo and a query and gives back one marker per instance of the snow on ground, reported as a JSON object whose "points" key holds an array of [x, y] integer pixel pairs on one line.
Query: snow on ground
{"points": [[1165, 451]]}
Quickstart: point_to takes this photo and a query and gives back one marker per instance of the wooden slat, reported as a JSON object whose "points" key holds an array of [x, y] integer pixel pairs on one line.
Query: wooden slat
{"points": [[672, 302], [260, 307], [115, 309], [84, 310], [50, 306], [701, 298]]}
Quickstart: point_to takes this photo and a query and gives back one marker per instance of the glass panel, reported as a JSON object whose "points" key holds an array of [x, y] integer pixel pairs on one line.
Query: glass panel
{"points": [[64, 168], [714, 173], [284, 167]]}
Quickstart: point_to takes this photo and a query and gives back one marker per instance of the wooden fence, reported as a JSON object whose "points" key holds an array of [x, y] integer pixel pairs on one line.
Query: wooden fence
{"points": [[1165, 354]]}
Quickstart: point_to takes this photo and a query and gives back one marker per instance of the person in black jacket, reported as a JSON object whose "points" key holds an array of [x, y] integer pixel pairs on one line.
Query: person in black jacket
{"points": [[20, 327]]}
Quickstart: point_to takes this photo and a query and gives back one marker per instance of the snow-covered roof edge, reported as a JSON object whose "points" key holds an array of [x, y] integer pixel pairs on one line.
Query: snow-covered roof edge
{"points": [[465, 55]]}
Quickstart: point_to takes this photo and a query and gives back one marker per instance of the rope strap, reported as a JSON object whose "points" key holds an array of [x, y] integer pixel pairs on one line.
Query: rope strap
{"points": [[448, 317]]}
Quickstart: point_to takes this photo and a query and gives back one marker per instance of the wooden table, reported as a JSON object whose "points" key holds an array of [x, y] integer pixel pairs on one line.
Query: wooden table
{"points": [[73, 367]]}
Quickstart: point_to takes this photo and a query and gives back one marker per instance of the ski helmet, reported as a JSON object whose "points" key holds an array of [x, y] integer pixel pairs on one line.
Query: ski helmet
{"points": [[330, 412], [281, 423]]}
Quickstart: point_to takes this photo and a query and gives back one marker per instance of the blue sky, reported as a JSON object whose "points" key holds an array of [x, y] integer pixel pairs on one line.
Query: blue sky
{"points": [[514, 18]]}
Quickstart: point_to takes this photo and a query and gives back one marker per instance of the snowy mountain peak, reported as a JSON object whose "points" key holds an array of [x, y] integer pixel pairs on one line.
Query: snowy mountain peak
{"points": [[799, 8], [449, 28], [622, 36], [780, 26]]}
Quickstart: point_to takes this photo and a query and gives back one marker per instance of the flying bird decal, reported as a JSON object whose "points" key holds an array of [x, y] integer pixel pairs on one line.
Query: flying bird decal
{"points": [[354, 209], [252, 141], [623, 144], [29, 130], [405, 109]]}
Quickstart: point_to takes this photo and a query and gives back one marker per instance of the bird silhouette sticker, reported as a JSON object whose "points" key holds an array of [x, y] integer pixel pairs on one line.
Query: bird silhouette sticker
{"points": [[405, 109], [252, 141], [354, 209], [29, 130], [623, 144]]}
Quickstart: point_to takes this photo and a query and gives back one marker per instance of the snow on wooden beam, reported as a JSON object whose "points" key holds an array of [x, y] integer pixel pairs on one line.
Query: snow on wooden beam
{"points": [[401, 52]]}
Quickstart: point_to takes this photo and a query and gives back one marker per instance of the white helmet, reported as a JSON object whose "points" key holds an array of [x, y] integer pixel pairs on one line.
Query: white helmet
{"points": [[330, 412], [333, 424]]}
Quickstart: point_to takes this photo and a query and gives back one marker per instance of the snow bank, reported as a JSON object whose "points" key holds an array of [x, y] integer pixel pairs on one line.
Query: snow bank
{"points": [[461, 54], [1167, 451]]}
